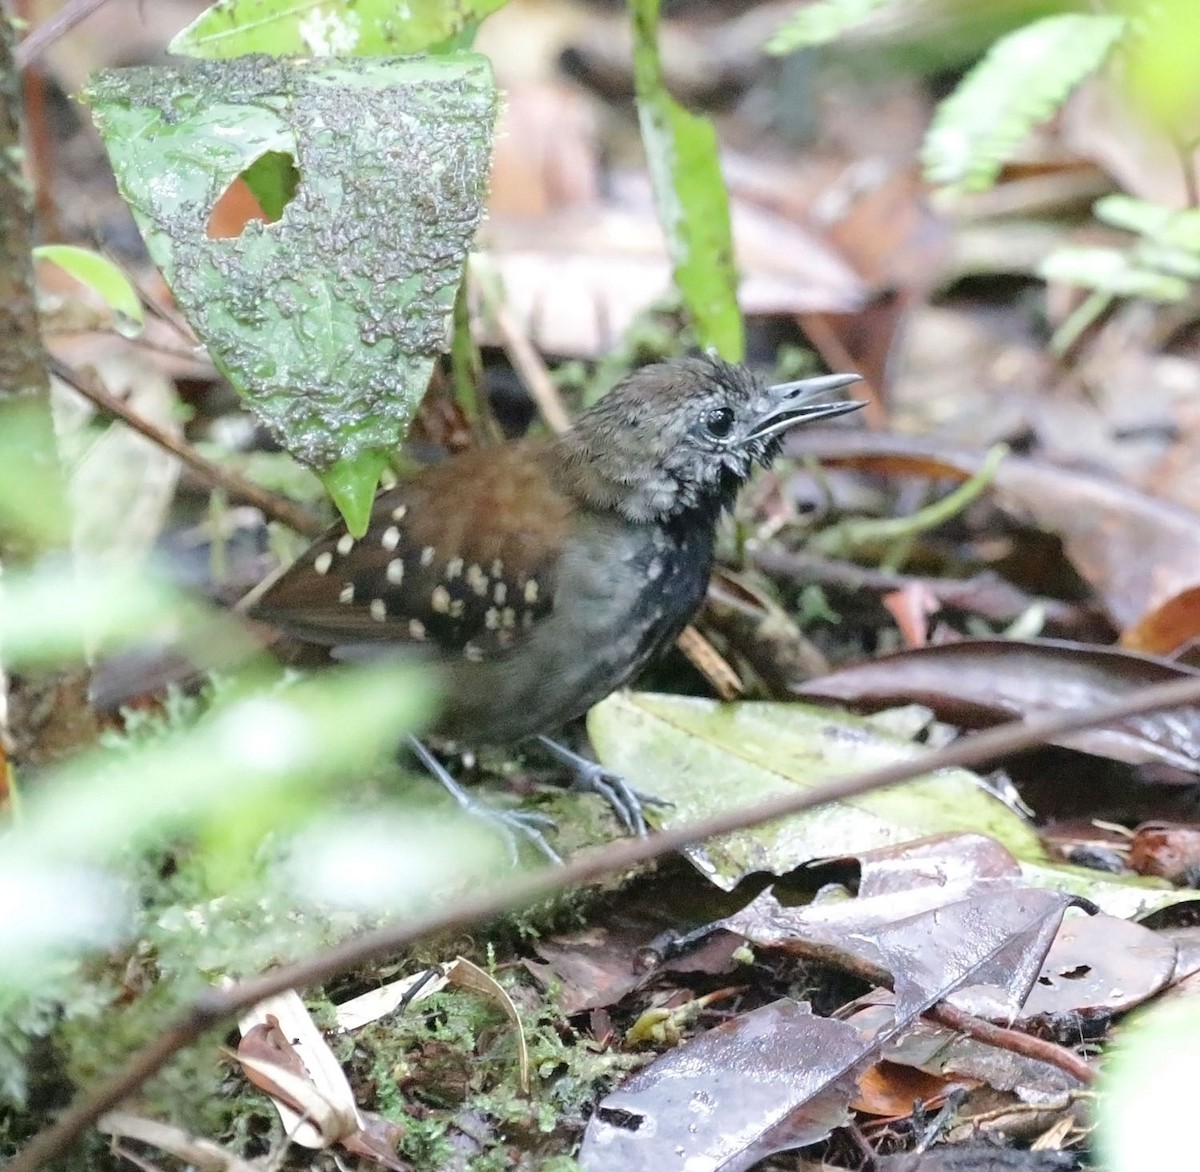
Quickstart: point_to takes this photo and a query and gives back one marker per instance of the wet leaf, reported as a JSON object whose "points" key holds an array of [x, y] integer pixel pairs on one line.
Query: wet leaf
{"points": [[730, 1097], [327, 324], [981, 682], [705, 757], [929, 919], [321, 28], [1097, 967]]}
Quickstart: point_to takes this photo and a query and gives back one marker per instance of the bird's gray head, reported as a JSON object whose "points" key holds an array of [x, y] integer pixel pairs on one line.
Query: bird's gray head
{"points": [[685, 435]]}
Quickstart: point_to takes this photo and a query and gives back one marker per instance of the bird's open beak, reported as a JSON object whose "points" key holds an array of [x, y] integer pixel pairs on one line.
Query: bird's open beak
{"points": [[787, 404]]}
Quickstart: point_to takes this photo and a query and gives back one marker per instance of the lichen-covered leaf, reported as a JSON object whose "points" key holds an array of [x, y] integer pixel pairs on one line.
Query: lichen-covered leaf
{"points": [[328, 321], [689, 191], [324, 28]]}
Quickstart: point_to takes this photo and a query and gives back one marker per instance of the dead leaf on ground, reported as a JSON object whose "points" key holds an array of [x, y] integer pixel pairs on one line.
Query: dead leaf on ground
{"points": [[1169, 628], [1173, 852], [1097, 967], [730, 1097], [982, 682], [1134, 550], [576, 278], [929, 920], [706, 757]]}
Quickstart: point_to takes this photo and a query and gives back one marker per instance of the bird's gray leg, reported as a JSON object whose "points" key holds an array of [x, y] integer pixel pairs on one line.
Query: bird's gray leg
{"points": [[591, 777], [508, 822]]}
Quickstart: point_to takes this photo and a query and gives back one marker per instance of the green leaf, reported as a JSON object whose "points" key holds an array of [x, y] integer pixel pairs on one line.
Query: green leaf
{"points": [[272, 179], [100, 274], [706, 758], [323, 28], [327, 322], [690, 193], [259, 752], [818, 24], [1110, 270], [351, 485], [1023, 80]]}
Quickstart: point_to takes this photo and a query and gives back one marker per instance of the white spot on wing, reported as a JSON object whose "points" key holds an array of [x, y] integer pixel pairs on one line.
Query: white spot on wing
{"points": [[391, 538], [322, 562], [345, 544]]}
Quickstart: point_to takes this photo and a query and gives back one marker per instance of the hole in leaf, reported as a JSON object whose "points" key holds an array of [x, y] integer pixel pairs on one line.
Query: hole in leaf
{"points": [[260, 192]]}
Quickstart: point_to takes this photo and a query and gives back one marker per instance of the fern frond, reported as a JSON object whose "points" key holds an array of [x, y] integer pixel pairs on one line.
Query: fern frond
{"points": [[1155, 221], [1024, 79], [1112, 271], [818, 24]]}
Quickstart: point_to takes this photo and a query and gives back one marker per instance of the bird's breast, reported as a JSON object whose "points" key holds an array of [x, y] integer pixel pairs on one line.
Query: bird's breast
{"points": [[623, 592]]}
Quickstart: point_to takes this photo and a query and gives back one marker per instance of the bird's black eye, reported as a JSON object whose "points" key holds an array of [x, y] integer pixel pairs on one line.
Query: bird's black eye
{"points": [[718, 422]]}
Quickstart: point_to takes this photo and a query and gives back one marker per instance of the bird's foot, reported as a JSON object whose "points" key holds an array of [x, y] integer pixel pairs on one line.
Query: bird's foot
{"points": [[509, 823], [591, 777]]}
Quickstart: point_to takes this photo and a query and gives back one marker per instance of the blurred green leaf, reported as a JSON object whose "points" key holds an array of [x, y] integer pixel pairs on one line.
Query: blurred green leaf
{"points": [[1024, 78], [52, 614], [1159, 71], [1170, 226], [1142, 1113], [32, 492], [690, 193], [1113, 271], [820, 23], [323, 28], [329, 321], [258, 761], [101, 275]]}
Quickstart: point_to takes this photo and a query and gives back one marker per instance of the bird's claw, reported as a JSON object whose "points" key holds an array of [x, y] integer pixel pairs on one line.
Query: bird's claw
{"points": [[627, 803], [509, 823]]}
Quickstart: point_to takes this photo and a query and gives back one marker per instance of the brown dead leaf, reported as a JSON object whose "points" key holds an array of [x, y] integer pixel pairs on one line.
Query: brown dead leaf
{"points": [[1169, 627], [982, 682], [1172, 852], [892, 1091]]}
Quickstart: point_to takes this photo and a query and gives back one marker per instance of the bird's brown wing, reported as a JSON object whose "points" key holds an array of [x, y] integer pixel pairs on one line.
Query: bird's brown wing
{"points": [[461, 559]]}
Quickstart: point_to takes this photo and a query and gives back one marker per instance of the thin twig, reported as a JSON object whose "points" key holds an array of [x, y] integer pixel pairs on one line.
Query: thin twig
{"points": [[276, 507], [1013, 1040], [528, 363], [493, 899], [49, 31]]}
